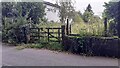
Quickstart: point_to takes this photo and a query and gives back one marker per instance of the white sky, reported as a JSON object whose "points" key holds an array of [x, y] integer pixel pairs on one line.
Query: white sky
{"points": [[80, 5], [97, 5]]}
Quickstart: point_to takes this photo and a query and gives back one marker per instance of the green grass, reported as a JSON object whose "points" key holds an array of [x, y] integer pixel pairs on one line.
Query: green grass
{"points": [[87, 29], [51, 46], [55, 46], [23, 46]]}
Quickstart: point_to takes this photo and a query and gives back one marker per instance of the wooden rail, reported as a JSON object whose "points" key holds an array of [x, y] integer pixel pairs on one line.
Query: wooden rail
{"points": [[49, 32]]}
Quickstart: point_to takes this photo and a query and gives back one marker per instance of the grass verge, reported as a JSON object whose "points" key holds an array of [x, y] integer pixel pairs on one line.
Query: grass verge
{"points": [[51, 46]]}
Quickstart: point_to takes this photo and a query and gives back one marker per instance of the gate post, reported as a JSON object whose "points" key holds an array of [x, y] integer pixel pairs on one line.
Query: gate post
{"points": [[48, 34], [63, 33], [67, 27], [59, 35], [70, 28], [105, 27], [39, 33]]}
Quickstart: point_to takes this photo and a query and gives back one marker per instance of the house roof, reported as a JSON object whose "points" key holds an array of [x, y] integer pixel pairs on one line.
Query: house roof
{"points": [[51, 4]]}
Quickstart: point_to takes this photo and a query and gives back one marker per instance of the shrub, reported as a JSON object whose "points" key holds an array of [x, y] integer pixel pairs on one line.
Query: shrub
{"points": [[36, 46], [78, 45], [54, 46], [51, 46]]}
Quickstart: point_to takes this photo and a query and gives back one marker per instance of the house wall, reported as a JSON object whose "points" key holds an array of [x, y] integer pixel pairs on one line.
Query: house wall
{"points": [[52, 13]]}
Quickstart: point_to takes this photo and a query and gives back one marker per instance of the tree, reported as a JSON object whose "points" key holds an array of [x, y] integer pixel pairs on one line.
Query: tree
{"points": [[8, 9], [80, 14], [78, 17], [88, 14], [112, 13], [7, 12], [20, 13], [110, 10], [66, 10], [36, 12], [89, 8], [32, 10], [118, 19]]}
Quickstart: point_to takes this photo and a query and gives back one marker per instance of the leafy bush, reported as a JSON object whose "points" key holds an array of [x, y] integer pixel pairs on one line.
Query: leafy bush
{"points": [[35, 46], [54, 46], [79, 45], [10, 27], [51, 46], [18, 15], [88, 29]]}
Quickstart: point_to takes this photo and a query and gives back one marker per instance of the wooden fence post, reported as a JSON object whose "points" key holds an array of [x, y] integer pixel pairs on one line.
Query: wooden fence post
{"points": [[67, 27], [105, 27], [59, 35], [70, 29], [39, 33], [48, 34], [63, 33]]}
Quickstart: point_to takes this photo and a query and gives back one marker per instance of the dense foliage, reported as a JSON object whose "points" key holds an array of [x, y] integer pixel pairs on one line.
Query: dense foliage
{"points": [[87, 23], [29, 10], [112, 13], [20, 15], [66, 10], [88, 14]]}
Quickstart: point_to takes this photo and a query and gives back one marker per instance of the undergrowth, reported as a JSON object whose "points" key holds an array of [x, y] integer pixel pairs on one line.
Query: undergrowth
{"points": [[51, 46]]}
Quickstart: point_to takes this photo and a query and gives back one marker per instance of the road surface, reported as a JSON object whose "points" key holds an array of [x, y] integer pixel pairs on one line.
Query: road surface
{"points": [[41, 57]]}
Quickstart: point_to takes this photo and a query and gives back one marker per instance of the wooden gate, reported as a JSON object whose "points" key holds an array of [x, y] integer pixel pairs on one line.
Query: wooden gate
{"points": [[47, 34]]}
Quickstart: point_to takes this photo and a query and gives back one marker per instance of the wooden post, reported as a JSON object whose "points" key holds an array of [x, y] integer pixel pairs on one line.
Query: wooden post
{"points": [[59, 35], [63, 33], [39, 33], [105, 26], [67, 27], [48, 34], [70, 29]]}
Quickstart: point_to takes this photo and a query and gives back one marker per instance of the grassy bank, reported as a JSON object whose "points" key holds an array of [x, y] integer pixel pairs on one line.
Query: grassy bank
{"points": [[51, 46]]}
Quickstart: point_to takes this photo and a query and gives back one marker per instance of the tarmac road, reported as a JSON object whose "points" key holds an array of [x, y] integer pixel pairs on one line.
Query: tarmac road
{"points": [[41, 57]]}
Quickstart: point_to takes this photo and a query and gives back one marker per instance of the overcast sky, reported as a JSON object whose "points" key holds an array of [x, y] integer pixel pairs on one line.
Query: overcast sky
{"points": [[80, 5], [97, 5]]}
